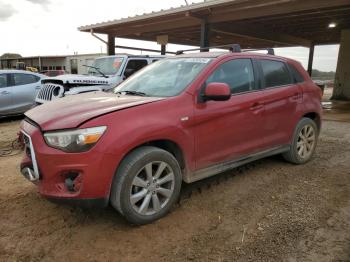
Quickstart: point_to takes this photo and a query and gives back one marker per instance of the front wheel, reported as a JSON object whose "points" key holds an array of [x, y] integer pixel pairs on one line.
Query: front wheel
{"points": [[303, 143], [146, 185]]}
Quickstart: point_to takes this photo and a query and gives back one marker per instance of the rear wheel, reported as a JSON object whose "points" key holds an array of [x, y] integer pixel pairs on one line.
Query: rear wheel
{"points": [[147, 185], [304, 142]]}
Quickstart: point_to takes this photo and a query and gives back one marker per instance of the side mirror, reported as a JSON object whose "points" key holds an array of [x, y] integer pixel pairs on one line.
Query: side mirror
{"points": [[217, 92]]}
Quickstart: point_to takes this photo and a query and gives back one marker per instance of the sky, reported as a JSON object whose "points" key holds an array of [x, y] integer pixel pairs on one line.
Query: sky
{"points": [[49, 27]]}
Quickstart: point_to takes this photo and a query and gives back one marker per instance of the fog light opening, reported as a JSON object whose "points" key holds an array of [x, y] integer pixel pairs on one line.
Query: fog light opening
{"points": [[73, 182]]}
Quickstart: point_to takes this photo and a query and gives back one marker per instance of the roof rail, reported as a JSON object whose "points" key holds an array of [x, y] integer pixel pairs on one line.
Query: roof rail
{"points": [[270, 51], [234, 48]]}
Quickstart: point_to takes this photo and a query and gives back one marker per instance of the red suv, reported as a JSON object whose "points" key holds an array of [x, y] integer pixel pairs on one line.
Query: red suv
{"points": [[178, 120]]}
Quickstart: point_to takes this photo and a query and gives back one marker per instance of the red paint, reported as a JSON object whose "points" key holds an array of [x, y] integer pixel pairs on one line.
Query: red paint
{"points": [[212, 132], [217, 89]]}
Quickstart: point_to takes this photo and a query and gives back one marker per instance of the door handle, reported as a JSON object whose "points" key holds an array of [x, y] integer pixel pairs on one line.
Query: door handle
{"points": [[296, 96], [256, 106], [5, 93]]}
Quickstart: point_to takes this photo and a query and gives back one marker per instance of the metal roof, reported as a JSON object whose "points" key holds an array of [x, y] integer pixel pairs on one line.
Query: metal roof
{"points": [[162, 12], [251, 23]]}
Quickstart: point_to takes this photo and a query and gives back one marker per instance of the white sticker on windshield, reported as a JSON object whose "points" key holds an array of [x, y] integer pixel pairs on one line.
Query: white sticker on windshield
{"points": [[197, 60]]}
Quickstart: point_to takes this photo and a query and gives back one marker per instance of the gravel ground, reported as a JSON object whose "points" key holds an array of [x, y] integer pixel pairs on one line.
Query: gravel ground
{"points": [[268, 211]]}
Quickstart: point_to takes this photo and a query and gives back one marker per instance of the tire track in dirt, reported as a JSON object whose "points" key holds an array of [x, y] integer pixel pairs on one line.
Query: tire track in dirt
{"points": [[285, 212]]}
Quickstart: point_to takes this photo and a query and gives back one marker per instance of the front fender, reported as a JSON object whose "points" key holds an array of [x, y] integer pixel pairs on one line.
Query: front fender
{"points": [[173, 134], [127, 141], [160, 120]]}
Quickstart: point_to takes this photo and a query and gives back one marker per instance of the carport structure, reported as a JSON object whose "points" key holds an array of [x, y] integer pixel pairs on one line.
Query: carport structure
{"points": [[251, 23]]}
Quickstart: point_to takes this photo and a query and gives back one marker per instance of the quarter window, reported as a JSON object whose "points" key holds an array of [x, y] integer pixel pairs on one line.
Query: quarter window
{"points": [[298, 78], [3, 80], [275, 73], [25, 79], [237, 73]]}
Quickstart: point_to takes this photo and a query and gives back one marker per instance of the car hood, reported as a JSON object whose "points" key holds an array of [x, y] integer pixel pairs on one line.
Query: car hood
{"points": [[71, 111], [80, 79]]}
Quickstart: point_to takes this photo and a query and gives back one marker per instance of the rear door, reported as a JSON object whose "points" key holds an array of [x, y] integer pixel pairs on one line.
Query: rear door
{"points": [[26, 86], [282, 98], [228, 130], [5, 94]]}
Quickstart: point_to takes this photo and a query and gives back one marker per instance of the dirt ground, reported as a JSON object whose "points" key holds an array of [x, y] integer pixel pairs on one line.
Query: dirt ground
{"points": [[335, 110], [269, 211]]}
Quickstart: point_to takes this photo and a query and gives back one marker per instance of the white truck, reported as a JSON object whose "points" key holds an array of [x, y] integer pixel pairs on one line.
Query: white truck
{"points": [[105, 73]]}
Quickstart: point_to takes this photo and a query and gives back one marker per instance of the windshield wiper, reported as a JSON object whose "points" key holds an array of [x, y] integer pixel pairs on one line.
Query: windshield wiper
{"points": [[133, 93], [97, 69]]}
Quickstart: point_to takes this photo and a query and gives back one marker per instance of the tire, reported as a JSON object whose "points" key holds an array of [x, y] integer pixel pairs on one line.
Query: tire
{"points": [[134, 192], [302, 141]]}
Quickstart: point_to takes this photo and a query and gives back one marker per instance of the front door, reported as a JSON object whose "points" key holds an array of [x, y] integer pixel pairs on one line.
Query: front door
{"points": [[26, 86], [229, 130], [5, 94]]}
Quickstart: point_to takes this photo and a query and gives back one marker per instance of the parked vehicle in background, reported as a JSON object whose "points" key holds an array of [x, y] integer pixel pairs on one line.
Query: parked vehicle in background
{"points": [[183, 118], [18, 90], [32, 69], [104, 74], [53, 73]]}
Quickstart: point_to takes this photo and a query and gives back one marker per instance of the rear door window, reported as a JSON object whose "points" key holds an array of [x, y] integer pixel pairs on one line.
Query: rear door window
{"points": [[25, 79], [237, 73], [3, 80], [275, 73]]}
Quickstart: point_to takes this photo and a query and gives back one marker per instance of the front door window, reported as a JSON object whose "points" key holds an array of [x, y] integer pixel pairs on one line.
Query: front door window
{"points": [[238, 74]]}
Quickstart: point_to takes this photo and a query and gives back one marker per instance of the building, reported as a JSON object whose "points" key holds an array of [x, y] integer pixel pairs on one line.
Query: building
{"points": [[72, 64], [250, 23]]}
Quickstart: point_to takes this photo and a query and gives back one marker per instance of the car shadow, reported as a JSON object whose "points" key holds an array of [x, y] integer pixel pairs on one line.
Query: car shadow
{"points": [[110, 216]]}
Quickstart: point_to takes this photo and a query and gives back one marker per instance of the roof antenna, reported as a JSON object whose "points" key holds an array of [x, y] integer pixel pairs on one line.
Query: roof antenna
{"points": [[186, 2]]}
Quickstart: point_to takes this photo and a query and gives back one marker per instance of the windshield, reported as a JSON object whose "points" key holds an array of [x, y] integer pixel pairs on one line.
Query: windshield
{"points": [[106, 65], [165, 78]]}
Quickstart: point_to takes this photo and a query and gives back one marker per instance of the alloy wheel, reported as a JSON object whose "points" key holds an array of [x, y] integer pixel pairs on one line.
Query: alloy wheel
{"points": [[152, 188], [306, 141]]}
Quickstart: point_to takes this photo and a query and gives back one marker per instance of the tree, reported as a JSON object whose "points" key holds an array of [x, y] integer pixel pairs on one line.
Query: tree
{"points": [[324, 75], [10, 55]]}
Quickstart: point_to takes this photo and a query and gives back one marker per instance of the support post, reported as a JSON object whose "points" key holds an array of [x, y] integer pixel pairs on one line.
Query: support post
{"points": [[341, 89], [111, 45], [163, 49], [311, 59], [39, 61], [204, 41]]}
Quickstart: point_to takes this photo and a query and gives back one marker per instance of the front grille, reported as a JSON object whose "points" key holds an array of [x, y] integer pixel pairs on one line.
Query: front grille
{"points": [[31, 154], [49, 91], [27, 145]]}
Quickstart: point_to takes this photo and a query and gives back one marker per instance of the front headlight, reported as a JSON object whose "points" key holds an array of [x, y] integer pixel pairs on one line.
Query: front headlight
{"points": [[73, 141]]}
